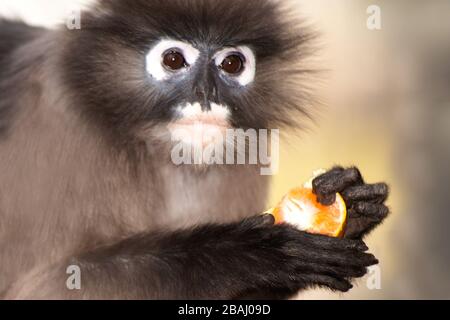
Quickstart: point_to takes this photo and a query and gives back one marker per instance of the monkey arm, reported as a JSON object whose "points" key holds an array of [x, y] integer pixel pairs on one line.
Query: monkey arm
{"points": [[365, 202], [212, 261]]}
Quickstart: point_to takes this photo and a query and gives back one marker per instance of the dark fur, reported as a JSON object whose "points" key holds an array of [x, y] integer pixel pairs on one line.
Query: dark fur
{"points": [[13, 34], [224, 261], [80, 187], [129, 29]]}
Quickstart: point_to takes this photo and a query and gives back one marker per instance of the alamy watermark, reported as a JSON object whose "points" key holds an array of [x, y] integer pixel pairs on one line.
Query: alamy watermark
{"points": [[73, 281], [73, 18], [228, 147], [374, 19], [373, 281]]}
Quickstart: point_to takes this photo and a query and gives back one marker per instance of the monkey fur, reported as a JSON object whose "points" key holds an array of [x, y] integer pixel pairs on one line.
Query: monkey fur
{"points": [[85, 174]]}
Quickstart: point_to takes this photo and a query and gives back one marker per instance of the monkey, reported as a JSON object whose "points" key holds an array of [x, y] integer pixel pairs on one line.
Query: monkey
{"points": [[85, 169]]}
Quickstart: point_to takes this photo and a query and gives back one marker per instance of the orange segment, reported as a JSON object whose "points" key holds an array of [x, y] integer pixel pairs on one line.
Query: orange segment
{"points": [[301, 208]]}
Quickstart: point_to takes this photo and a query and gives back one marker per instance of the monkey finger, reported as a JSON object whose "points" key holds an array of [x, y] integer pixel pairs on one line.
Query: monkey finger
{"points": [[358, 227], [343, 258], [325, 176], [334, 244], [373, 210], [334, 271], [328, 281], [335, 181], [353, 214], [378, 191]]}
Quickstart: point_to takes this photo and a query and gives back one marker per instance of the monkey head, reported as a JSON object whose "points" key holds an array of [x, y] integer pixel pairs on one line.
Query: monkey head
{"points": [[137, 66]]}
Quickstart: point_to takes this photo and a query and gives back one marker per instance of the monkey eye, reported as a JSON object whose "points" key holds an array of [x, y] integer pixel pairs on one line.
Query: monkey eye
{"points": [[237, 64], [233, 64], [174, 60]]}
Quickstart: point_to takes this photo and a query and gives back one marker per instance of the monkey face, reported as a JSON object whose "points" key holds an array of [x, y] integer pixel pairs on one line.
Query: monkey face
{"points": [[227, 64], [200, 75]]}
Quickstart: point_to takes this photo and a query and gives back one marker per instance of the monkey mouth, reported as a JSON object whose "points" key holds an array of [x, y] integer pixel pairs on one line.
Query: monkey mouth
{"points": [[195, 126], [193, 114], [200, 132], [202, 122]]}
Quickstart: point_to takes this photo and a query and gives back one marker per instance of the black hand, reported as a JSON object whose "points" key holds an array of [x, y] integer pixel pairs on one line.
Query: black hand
{"points": [[365, 202], [279, 258]]}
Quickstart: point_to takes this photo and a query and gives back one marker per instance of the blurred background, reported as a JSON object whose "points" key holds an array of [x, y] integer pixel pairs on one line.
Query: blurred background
{"points": [[385, 107]]}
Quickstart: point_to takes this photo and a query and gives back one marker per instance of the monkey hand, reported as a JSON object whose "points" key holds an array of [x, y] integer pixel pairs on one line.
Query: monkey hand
{"points": [[285, 260], [365, 202]]}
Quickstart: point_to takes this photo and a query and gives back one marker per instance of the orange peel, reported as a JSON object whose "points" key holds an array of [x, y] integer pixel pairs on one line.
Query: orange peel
{"points": [[301, 209]]}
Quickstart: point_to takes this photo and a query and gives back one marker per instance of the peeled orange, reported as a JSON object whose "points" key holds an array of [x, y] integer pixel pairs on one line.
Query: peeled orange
{"points": [[301, 209]]}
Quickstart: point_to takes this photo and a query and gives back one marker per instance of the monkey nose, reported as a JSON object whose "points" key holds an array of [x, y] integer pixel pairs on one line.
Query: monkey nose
{"points": [[203, 99], [200, 94]]}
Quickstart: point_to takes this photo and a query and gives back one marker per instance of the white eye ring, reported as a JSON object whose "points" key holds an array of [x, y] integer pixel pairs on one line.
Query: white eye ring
{"points": [[247, 76], [154, 59]]}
